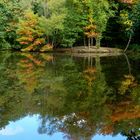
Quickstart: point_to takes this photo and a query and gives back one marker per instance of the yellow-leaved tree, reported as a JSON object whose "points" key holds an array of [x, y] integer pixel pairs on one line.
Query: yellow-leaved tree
{"points": [[31, 33]]}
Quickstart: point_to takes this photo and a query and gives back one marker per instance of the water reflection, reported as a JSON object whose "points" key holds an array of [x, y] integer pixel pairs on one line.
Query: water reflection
{"points": [[22, 129], [75, 98]]}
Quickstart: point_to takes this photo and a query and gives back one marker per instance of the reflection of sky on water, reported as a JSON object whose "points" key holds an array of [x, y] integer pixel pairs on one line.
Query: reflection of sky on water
{"points": [[9, 131], [101, 137], [26, 129]]}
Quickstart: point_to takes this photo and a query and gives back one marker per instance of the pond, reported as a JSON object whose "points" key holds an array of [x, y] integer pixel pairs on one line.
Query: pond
{"points": [[69, 97]]}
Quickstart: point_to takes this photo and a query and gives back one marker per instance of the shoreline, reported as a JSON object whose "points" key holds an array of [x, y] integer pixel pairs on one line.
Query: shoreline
{"points": [[86, 49], [77, 50]]}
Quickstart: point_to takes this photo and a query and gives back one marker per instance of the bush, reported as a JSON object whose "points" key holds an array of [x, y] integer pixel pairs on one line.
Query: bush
{"points": [[135, 47]]}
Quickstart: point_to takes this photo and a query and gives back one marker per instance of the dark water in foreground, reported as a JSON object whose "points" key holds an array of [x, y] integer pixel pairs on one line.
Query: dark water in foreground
{"points": [[56, 97]]}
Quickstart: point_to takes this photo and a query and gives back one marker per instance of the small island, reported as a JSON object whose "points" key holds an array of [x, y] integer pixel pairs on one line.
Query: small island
{"points": [[91, 49]]}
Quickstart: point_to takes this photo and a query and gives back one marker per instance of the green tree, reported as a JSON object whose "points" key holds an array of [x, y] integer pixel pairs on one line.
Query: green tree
{"points": [[10, 11], [101, 13], [127, 25], [135, 17], [74, 24], [54, 11]]}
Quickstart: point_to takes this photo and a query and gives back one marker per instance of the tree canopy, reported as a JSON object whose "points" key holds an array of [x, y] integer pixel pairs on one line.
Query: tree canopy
{"points": [[68, 23]]}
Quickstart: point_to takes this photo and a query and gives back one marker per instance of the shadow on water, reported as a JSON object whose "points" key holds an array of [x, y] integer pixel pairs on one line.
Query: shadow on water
{"points": [[79, 96]]}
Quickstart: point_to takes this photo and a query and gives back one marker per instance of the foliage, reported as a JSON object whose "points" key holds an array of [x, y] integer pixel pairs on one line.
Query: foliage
{"points": [[54, 12], [127, 84], [102, 12], [31, 33], [76, 98], [68, 23], [73, 23], [9, 13], [134, 47]]}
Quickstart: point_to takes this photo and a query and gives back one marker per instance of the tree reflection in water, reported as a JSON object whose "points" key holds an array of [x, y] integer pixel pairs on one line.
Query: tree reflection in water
{"points": [[76, 98]]}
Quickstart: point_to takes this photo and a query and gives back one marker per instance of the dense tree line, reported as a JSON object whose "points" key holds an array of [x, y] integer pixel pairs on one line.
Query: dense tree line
{"points": [[40, 25]]}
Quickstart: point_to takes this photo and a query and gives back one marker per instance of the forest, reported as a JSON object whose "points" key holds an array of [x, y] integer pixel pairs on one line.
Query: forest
{"points": [[42, 25]]}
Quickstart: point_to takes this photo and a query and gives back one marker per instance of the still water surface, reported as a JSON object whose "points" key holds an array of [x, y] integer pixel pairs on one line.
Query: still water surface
{"points": [[65, 97]]}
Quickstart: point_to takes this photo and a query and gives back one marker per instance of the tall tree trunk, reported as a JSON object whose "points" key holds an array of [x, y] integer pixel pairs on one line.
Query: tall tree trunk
{"points": [[129, 66], [84, 40], [92, 41], [98, 42], [44, 8], [53, 41], [128, 43], [89, 43]]}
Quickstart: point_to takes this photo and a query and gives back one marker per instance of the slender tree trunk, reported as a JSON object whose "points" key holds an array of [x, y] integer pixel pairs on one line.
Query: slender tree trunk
{"points": [[129, 66], [98, 65], [44, 8], [98, 42], [88, 60], [53, 41], [128, 43], [92, 41], [89, 43], [84, 40], [91, 63]]}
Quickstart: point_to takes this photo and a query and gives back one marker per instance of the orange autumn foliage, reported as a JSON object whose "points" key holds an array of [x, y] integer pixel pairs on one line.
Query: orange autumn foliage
{"points": [[31, 35], [34, 60], [124, 110], [107, 129], [131, 113], [46, 57], [127, 1], [90, 31], [89, 75], [23, 43]]}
